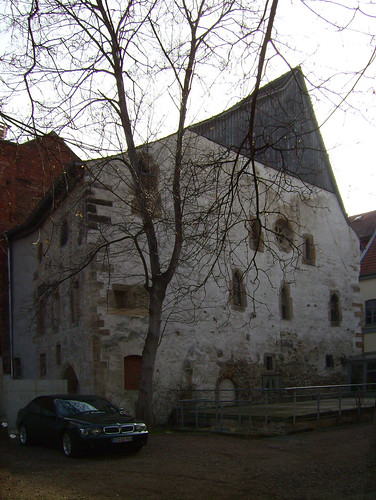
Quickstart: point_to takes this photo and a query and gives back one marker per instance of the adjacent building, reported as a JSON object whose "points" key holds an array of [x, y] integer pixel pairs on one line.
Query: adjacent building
{"points": [[27, 171], [363, 367]]}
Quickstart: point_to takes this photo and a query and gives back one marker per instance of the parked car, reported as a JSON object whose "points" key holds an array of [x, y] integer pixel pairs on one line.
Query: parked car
{"points": [[78, 423]]}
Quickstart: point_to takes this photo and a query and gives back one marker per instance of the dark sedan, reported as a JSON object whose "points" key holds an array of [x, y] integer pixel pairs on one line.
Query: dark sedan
{"points": [[78, 423]]}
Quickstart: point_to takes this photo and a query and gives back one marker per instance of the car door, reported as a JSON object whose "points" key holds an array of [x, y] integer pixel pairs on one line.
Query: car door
{"points": [[31, 419], [48, 420]]}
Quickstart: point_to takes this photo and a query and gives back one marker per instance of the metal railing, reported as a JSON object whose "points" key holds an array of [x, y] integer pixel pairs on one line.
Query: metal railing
{"points": [[289, 404]]}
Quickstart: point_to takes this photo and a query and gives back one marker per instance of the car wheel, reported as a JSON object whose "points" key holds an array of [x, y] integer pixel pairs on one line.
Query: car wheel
{"points": [[24, 434], [70, 446]]}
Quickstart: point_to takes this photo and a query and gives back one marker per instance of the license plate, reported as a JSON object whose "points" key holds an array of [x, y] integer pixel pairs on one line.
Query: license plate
{"points": [[121, 439]]}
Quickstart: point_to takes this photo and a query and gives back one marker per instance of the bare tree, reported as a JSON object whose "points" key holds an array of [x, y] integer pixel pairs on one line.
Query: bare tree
{"points": [[101, 69]]}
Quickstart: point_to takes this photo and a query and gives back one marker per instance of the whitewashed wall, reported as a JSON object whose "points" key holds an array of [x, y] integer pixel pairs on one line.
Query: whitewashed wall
{"points": [[205, 340]]}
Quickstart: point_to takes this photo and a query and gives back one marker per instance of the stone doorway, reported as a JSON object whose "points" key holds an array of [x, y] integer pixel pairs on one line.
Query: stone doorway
{"points": [[70, 376]]}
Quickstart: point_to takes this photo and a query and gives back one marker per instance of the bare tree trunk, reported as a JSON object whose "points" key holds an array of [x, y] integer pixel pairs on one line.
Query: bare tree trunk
{"points": [[144, 403]]}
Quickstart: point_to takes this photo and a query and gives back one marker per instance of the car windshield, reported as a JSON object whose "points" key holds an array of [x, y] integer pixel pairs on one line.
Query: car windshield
{"points": [[72, 407]]}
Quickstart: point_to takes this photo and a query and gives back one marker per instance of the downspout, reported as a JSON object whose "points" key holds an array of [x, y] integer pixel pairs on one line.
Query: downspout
{"points": [[10, 306]]}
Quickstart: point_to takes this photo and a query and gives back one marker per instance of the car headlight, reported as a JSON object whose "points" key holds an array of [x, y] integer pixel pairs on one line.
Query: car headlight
{"points": [[140, 428], [90, 432]]}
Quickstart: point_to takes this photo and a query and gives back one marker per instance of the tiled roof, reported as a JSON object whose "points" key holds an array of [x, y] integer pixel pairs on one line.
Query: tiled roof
{"points": [[368, 259], [364, 225]]}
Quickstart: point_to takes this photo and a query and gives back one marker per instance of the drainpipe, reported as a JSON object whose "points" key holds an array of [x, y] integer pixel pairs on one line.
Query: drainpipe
{"points": [[10, 306]]}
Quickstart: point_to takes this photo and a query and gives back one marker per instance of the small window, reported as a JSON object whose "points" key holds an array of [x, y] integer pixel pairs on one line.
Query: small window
{"points": [[42, 365], [121, 299], [41, 309], [41, 318], [58, 354], [40, 251], [64, 233], [131, 297], [285, 303], [238, 297], [17, 368], [132, 372], [255, 235], [309, 254], [335, 314], [75, 301], [269, 362], [283, 234], [149, 198], [370, 312], [329, 361]]}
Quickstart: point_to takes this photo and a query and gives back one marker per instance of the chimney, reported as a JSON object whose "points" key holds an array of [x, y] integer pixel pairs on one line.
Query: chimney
{"points": [[3, 131]]}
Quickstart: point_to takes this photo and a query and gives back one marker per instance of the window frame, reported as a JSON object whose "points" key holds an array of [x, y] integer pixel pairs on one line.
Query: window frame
{"points": [[285, 302], [284, 234], [335, 316], [238, 294], [64, 232], [256, 240], [308, 250], [42, 365], [370, 311]]}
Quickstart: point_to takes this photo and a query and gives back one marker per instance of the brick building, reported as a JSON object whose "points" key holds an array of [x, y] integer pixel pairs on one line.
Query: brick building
{"points": [[27, 171]]}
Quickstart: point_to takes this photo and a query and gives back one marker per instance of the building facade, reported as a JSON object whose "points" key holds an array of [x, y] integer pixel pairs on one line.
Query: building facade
{"points": [[267, 290], [27, 171], [363, 367]]}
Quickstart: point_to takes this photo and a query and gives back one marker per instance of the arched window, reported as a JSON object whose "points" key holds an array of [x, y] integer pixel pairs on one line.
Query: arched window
{"points": [[283, 234], [238, 297], [309, 254], [285, 302], [335, 313], [75, 301], [132, 372], [148, 184], [64, 232], [255, 235], [370, 313]]}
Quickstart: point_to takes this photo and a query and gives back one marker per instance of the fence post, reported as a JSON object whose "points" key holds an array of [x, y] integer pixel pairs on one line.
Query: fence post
{"points": [[340, 402], [359, 399], [250, 417], [266, 406], [294, 417]]}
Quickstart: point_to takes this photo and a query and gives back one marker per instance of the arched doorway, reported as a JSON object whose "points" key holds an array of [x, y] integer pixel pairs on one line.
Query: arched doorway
{"points": [[70, 376]]}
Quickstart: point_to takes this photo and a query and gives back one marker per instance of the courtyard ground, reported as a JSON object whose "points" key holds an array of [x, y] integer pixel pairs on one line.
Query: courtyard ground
{"points": [[336, 463]]}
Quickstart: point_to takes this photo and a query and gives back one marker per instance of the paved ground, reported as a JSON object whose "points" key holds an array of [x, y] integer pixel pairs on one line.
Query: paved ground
{"points": [[329, 464]]}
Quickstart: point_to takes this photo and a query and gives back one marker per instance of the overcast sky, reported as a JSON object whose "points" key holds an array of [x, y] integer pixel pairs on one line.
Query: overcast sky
{"points": [[322, 49]]}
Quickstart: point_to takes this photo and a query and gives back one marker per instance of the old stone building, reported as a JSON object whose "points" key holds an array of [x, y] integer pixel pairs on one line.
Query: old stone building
{"points": [[267, 289]]}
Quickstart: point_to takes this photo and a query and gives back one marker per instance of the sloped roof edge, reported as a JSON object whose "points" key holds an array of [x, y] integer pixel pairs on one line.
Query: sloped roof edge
{"points": [[65, 182], [314, 168]]}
